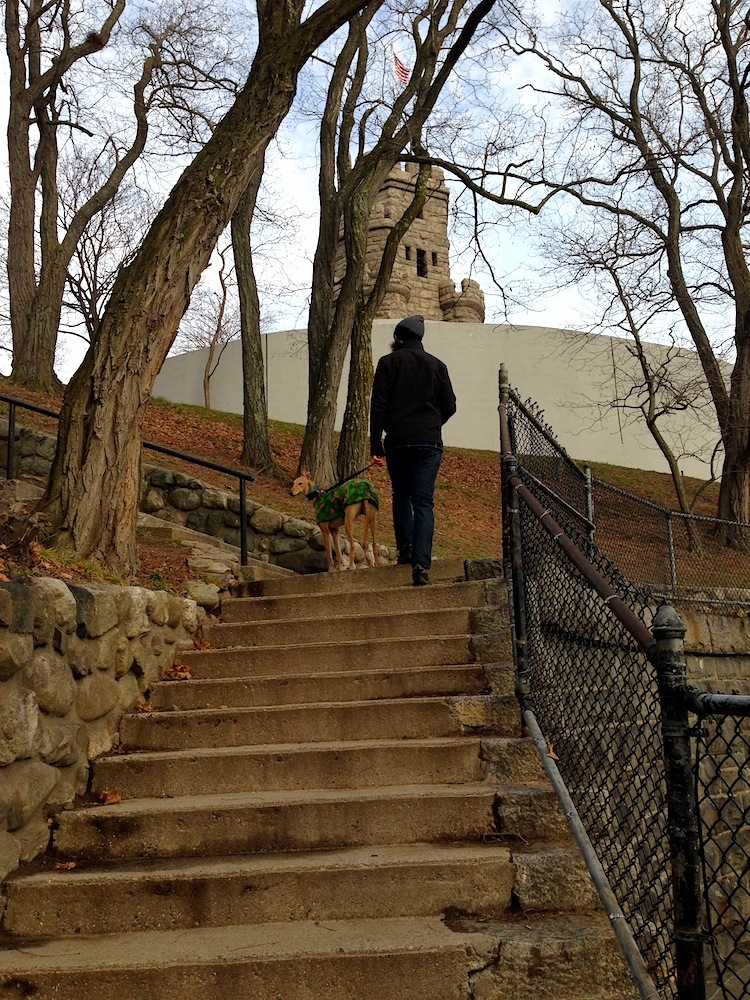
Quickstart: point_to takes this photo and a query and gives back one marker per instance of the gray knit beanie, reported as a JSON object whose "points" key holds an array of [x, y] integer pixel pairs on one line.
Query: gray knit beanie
{"points": [[412, 326]]}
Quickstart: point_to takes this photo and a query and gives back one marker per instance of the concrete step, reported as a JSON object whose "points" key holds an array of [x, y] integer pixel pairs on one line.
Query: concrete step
{"points": [[442, 571], [362, 764], [355, 602], [341, 628], [353, 883], [406, 958], [389, 718], [414, 958], [242, 823], [330, 656], [300, 689]]}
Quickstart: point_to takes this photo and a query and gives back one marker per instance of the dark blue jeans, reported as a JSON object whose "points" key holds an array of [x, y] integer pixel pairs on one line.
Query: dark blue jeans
{"points": [[413, 469]]}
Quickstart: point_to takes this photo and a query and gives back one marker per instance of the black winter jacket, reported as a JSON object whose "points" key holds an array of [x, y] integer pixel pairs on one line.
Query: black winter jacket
{"points": [[412, 397]]}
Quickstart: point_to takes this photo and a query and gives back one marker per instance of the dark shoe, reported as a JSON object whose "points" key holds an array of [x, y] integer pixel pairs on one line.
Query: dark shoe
{"points": [[404, 557], [420, 577]]}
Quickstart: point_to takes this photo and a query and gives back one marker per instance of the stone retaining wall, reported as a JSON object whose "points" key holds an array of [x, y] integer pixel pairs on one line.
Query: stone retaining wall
{"points": [[73, 660], [717, 649], [291, 542]]}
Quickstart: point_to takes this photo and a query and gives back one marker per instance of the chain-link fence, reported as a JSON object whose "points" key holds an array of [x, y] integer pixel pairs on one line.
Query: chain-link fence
{"points": [[722, 771], [671, 554], [588, 676]]}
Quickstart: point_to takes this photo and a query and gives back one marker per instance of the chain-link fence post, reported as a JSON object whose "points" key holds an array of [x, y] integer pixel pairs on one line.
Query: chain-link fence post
{"points": [[589, 500], [682, 811], [512, 553]]}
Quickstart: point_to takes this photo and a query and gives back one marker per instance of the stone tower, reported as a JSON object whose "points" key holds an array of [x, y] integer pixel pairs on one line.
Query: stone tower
{"points": [[421, 280]]}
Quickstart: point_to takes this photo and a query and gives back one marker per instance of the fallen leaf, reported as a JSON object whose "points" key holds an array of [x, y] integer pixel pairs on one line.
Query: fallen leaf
{"points": [[178, 672], [65, 866], [108, 798], [551, 752]]}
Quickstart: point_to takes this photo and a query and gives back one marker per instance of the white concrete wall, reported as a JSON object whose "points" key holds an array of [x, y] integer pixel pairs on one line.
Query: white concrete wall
{"points": [[569, 374]]}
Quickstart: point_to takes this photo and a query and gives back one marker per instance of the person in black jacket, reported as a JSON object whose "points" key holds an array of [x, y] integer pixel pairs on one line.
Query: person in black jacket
{"points": [[412, 397]]}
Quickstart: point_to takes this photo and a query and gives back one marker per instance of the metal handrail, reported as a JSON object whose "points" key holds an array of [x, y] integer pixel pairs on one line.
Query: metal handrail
{"points": [[242, 477]]}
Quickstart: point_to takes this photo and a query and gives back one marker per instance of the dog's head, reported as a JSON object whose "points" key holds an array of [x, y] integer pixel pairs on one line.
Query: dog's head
{"points": [[303, 484]]}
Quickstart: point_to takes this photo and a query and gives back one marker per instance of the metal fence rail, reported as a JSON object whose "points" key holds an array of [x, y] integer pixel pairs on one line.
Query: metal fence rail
{"points": [[242, 477], [659, 798]]}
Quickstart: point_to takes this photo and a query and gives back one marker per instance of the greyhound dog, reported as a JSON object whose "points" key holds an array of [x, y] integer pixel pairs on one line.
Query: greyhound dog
{"points": [[340, 506]]}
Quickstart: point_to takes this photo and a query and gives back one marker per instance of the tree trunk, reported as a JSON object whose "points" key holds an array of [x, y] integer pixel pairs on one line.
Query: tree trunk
{"points": [[95, 482], [352, 451], [256, 448]]}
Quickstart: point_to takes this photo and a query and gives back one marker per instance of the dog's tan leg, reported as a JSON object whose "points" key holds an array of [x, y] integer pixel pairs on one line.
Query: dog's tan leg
{"points": [[372, 520], [350, 515], [337, 547], [326, 533]]}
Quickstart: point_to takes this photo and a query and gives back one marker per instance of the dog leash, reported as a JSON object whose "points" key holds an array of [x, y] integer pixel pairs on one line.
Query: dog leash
{"points": [[353, 476], [316, 491]]}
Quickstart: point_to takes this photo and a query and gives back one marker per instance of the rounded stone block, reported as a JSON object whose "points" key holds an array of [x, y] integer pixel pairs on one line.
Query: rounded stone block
{"points": [[9, 854], [157, 606], [15, 651], [19, 718], [296, 528], [53, 601], [204, 594], [153, 501], [130, 692], [184, 499], [56, 742], [97, 695], [50, 678], [266, 521], [31, 783]]}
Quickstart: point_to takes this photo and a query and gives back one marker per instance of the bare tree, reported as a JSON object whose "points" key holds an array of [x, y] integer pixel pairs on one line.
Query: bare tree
{"points": [[361, 139], [641, 112], [103, 409], [615, 263], [212, 320], [107, 243], [60, 101]]}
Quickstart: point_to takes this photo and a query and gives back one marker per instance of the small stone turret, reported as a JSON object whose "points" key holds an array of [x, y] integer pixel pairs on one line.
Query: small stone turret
{"points": [[421, 280], [466, 306]]}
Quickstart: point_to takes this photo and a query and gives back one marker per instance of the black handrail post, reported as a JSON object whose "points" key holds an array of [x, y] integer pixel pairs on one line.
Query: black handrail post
{"points": [[682, 809], [243, 522], [10, 460], [512, 555]]}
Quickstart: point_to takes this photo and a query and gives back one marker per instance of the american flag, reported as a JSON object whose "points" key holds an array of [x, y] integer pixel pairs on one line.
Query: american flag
{"points": [[400, 71]]}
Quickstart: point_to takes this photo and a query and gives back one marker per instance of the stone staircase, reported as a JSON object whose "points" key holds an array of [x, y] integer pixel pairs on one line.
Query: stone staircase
{"points": [[337, 806]]}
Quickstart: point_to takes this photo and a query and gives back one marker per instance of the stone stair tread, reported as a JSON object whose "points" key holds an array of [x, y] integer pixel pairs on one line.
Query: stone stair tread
{"points": [[332, 644], [451, 569], [207, 945], [377, 881], [185, 869], [197, 713], [344, 655], [299, 687], [275, 632], [441, 594], [229, 800], [337, 746], [333, 618], [419, 958]]}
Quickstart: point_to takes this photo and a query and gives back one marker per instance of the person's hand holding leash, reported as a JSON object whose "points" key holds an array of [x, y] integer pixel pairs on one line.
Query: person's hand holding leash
{"points": [[378, 460]]}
